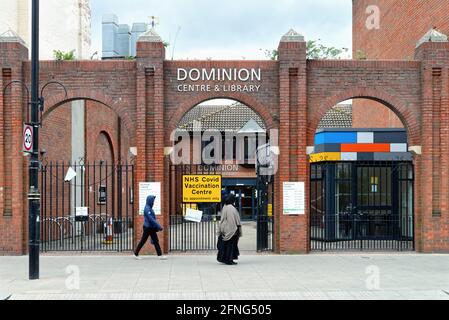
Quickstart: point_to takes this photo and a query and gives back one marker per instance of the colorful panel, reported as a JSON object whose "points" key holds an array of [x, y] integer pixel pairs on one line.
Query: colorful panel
{"points": [[325, 156], [390, 137], [365, 137], [327, 147], [365, 156], [393, 156], [365, 147], [398, 147], [335, 137], [348, 156]]}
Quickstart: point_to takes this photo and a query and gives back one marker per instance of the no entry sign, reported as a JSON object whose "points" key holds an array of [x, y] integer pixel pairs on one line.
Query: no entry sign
{"points": [[27, 145]]}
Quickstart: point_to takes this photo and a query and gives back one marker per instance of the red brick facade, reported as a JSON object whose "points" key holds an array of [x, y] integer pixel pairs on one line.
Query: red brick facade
{"points": [[401, 24], [294, 96]]}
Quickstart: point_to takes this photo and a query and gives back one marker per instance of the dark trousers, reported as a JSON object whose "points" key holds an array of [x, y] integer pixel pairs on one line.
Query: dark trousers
{"points": [[149, 232]]}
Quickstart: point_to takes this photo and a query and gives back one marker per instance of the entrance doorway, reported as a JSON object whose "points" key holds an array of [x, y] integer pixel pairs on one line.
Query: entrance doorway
{"points": [[218, 137], [362, 206]]}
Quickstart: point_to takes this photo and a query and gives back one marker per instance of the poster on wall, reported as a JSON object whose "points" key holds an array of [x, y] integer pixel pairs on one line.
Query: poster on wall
{"points": [[150, 189], [293, 198]]}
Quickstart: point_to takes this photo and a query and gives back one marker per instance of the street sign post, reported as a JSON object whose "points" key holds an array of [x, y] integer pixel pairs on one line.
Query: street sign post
{"points": [[28, 137]]}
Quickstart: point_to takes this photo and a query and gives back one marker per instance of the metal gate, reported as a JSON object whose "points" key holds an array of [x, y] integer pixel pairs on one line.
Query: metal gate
{"points": [[186, 235], [192, 236], [362, 206], [87, 206]]}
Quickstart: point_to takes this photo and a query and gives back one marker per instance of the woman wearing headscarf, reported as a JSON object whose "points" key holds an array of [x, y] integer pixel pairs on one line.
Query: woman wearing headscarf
{"points": [[229, 233]]}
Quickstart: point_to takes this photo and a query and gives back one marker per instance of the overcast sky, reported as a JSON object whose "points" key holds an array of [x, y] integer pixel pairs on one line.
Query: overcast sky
{"points": [[231, 29]]}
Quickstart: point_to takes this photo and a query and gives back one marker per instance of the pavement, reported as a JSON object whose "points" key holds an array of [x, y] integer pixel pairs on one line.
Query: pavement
{"points": [[398, 276]]}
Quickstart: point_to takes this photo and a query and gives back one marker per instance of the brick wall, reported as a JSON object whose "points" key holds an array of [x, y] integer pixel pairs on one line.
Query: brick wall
{"points": [[401, 24], [294, 96]]}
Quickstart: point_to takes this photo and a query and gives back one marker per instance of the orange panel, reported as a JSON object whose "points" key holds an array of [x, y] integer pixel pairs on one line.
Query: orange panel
{"points": [[365, 147]]}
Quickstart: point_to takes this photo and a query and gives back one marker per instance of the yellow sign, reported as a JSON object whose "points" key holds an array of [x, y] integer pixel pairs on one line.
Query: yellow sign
{"points": [[201, 188], [325, 156], [270, 210]]}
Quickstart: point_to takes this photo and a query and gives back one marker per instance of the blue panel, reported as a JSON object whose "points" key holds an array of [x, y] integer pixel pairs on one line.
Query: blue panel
{"points": [[365, 156], [390, 137], [335, 137], [393, 156], [328, 147]]}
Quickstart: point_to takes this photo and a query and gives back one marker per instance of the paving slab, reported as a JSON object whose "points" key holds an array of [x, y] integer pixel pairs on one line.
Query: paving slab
{"points": [[361, 276]]}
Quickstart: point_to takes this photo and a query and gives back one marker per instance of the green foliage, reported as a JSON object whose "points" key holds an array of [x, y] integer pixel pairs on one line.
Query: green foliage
{"points": [[166, 44], [315, 50], [360, 55], [272, 54], [64, 56]]}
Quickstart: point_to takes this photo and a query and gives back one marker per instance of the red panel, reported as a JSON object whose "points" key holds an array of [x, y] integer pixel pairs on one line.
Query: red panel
{"points": [[365, 147]]}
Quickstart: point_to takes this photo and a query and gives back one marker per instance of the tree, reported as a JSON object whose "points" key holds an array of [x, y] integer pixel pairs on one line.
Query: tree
{"points": [[315, 50], [64, 56]]}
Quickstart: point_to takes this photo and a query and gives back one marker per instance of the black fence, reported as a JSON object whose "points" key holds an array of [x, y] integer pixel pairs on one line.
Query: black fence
{"points": [[202, 236], [362, 206], [87, 206]]}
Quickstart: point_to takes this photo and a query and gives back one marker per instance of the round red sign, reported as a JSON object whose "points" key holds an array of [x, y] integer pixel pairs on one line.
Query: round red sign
{"points": [[28, 138]]}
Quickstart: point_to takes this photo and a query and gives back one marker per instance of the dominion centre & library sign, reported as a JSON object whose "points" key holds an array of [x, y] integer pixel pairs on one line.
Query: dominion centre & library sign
{"points": [[212, 80]]}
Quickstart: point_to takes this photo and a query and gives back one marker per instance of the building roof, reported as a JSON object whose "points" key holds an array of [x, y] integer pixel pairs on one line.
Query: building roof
{"points": [[339, 116], [237, 117], [433, 35], [232, 118]]}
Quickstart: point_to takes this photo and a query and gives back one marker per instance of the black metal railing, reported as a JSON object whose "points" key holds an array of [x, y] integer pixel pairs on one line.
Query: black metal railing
{"points": [[363, 206], [360, 232], [193, 236], [106, 190]]}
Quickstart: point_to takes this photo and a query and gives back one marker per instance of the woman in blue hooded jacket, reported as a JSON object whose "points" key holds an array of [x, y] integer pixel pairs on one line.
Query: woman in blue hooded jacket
{"points": [[150, 229]]}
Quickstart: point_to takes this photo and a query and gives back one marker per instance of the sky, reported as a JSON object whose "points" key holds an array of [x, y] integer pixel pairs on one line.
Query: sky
{"points": [[231, 29]]}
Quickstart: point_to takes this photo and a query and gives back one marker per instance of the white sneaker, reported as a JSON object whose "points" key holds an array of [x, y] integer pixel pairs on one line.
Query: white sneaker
{"points": [[137, 257], [163, 258]]}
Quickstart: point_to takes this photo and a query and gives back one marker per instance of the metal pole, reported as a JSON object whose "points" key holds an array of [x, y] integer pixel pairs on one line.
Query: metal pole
{"points": [[33, 194]]}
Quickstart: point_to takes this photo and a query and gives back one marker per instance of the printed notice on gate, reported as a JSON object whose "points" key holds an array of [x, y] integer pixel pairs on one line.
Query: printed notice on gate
{"points": [[201, 188], [150, 189], [294, 198]]}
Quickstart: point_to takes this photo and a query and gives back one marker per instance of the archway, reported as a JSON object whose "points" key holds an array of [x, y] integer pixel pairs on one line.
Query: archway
{"points": [[361, 181], [222, 137], [86, 178]]}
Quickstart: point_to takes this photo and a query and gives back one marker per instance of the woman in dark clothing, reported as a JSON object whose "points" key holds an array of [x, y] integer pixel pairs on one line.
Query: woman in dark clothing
{"points": [[150, 229], [230, 232]]}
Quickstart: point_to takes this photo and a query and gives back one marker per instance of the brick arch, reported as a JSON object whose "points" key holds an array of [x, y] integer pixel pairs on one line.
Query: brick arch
{"points": [[408, 116], [95, 96], [112, 143], [249, 101]]}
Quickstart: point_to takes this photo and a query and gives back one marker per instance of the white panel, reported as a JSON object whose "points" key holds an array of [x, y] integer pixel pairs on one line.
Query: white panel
{"points": [[365, 137], [349, 156], [398, 147]]}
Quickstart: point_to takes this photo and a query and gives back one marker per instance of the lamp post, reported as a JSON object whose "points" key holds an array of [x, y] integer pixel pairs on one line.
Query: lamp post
{"points": [[33, 193], [36, 103]]}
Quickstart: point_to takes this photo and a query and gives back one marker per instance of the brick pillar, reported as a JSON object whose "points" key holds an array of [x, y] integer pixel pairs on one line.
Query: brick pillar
{"points": [[432, 194], [150, 124], [293, 230], [13, 174]]}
